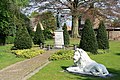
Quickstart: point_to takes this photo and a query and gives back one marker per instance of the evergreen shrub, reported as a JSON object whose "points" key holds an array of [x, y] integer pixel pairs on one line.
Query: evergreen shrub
{"points": [[102, 39], [66, 35], [39, 36], [23, 39], [47, 34], [10, 39], [88, 40]]}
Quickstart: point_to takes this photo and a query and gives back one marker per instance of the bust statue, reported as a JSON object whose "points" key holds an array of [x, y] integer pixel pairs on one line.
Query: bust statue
{"points": [[83, 64]]}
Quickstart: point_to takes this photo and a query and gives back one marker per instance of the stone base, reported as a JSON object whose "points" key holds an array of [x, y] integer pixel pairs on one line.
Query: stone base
{"points": [[59, 46], [76, 70]]}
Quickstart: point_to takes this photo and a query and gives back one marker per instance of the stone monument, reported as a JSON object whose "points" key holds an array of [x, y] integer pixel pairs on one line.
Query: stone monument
{"points": [[83, 64], [59, 39]]}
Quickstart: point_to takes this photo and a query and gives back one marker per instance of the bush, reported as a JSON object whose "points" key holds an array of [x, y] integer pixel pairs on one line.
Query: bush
{"points": [[62, 55], [27, 53], [88, 40], [66, 35], [102, 39], [38, 37], [47, 34], [30, 31], [10, 39], [23, 39]]}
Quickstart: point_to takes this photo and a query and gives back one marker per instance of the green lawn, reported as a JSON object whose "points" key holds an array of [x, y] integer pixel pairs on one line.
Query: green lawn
{"points": [[72, 41], [53, 71], [6, 57]]}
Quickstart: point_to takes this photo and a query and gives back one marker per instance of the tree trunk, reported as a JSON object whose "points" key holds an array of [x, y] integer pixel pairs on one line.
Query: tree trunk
{"points": [[2, 40], [75, 33]]}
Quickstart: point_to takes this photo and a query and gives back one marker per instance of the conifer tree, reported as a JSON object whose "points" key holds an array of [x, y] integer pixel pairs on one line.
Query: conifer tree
{"points": [[102, 39], [39, 36], [88, 40], [23, 39], [66, 35]]}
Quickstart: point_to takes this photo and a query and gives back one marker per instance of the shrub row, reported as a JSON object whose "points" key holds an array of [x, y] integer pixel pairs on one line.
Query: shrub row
{"points": [[62, 55], [90, 42], [27, 53]]}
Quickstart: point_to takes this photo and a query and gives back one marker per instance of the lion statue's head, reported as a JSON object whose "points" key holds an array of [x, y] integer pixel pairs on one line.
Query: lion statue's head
{"points": [[81, 57]]}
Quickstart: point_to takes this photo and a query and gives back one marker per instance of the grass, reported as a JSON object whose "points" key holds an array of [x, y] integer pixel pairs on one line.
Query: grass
{"points": [[49, 42], [54, 71], [72, 41], [6, 57]]}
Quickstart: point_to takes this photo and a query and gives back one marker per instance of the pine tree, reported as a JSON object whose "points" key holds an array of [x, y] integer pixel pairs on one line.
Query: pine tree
{"points": [[23, 39], [39, 36], [88, 40], [66, 35], [102, 39]]}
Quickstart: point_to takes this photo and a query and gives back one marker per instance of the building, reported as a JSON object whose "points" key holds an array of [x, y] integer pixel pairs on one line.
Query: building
{"points": [[34, 21]]}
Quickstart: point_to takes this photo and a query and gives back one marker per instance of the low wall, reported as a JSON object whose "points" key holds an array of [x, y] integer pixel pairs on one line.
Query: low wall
{"points": [[114, 35]]}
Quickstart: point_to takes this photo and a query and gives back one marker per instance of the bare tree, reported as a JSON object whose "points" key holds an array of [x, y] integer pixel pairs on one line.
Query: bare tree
{"points": [[108, 8]]}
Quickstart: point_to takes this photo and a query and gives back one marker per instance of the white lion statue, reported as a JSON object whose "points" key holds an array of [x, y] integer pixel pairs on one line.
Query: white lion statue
{"points": [[85, 65]]}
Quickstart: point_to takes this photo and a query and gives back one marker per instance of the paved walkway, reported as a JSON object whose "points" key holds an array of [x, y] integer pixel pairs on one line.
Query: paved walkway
{"points": [[25, 69]]}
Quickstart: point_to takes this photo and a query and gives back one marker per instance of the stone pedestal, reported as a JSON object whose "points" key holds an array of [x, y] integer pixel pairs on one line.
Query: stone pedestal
{"points": [[59, 39]]}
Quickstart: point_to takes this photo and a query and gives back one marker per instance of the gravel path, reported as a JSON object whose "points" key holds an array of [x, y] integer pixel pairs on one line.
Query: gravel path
{"points": [[25, 69]]}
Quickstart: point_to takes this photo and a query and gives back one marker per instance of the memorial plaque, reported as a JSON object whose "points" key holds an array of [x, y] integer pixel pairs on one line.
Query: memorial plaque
{"points": [[59, 40]]}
